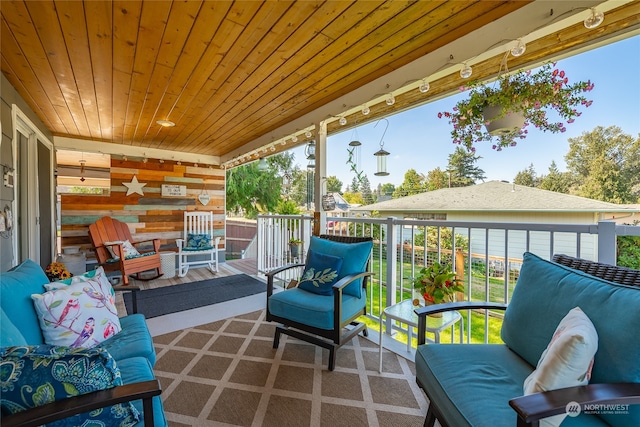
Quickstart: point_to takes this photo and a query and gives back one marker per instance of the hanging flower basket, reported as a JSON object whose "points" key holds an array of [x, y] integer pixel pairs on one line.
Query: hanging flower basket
{"points": [[533, 95]]}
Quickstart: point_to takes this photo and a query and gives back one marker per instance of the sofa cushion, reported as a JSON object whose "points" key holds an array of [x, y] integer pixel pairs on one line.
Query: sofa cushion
{"points": [[79, 315], [9, 334], [320, 273], [354, 259], [133, 340], [312, 309], [137, 369], [567, 360], [473, 383], [37, 375], [546, 292], [16, 287]]}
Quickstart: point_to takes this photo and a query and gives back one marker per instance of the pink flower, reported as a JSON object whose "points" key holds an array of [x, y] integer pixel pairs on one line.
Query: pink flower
{"points": [[555, 73], [537, 105], [439, 115], [561, 74]]}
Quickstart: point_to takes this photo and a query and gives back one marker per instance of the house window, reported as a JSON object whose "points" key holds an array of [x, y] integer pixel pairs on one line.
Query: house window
{"points": [[431, 216], [83, 173]]}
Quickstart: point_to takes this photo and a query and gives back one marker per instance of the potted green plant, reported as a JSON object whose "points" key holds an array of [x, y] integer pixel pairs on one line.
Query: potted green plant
{"points": [[295, 246], [436, 284], [530, 95]]}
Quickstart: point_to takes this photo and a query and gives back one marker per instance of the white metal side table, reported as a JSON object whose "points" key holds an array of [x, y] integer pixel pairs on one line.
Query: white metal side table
{"points": [[403, 312]]}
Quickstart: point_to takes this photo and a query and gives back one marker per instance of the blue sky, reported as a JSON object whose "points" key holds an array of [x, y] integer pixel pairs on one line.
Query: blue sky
{"points": [[418, 140]]}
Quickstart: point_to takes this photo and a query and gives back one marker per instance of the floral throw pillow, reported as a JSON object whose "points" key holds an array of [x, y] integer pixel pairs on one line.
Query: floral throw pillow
{"points": [[320, 273], [198, 242], [82, 314], [36, 375]]}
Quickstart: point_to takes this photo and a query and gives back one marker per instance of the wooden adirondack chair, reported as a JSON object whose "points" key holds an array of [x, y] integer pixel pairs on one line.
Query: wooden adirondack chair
{"points": [[107, 236]]}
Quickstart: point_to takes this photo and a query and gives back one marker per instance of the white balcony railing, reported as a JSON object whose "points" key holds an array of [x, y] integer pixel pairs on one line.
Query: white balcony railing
{"points": [[487, 255]]}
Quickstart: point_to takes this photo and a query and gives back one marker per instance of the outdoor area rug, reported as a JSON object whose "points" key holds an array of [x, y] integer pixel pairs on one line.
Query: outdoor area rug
{"points": [[172, 299], [226, 373]]}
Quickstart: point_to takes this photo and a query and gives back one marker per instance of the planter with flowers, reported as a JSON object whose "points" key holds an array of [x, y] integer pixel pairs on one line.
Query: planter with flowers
{"points": [[530, 96], [436, 284], [57, 271], [295, 247]]}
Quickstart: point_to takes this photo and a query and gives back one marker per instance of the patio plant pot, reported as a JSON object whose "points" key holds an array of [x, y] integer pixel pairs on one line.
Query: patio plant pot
{"points": [[295, 249], [511, 122]]}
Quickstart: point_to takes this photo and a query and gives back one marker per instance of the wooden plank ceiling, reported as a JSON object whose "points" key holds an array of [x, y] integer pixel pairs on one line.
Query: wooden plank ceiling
{"points": [[226, 72]]}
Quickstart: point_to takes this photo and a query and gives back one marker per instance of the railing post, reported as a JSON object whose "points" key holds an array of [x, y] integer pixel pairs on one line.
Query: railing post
{"points": [[607, 242], [392, 268]]}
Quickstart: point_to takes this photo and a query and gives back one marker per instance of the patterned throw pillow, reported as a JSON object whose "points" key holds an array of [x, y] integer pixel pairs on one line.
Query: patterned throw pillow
{"points": [[36, 375], [198, 242], [98, 275], [320, 273], [567, 360], [82, 314], [127, 248]]}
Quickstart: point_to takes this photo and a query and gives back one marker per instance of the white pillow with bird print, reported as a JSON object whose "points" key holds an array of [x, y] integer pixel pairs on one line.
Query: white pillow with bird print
{"points": [[82, 314]]}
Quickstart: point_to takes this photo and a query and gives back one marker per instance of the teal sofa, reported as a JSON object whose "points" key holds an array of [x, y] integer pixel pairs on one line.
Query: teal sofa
{"points": [[482, 384], [132, 350]]}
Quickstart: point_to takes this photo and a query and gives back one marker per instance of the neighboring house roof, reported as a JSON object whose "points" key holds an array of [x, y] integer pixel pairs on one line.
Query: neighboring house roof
{"points": [[494, 196]]}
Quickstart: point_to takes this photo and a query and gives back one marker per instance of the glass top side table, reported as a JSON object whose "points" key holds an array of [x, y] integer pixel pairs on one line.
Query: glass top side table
{"points": [[403, 312]]}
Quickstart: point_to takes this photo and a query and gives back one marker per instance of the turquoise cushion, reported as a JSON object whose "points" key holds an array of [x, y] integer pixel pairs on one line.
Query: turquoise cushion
{"points": [[354, 259], [34, 376], [544, 294], [9, 334], [320, 273], [16, 287], [133, 340], [198, 242], [137, 369], [473, 383], [312, 309]]}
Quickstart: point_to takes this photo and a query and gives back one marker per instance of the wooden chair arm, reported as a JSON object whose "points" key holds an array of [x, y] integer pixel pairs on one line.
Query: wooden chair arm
{"points": [[422, 312], [533, 407], [65, 408]]}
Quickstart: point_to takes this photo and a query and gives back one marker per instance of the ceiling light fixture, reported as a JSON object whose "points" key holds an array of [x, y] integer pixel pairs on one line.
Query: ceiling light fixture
{"points": [[466, 71], [595, 19], [519, 48], [165, 123]]}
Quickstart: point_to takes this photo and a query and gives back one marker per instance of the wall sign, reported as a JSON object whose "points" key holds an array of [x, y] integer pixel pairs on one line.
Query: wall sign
{"points": [[174, 190]]}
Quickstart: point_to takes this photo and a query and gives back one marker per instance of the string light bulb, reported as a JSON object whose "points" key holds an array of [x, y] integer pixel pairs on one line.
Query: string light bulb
{"points": [[466, 71], [365, 110], [342, 121], [294, 138], [307, 134], [519, 48], [390, 99], [424, 87]]}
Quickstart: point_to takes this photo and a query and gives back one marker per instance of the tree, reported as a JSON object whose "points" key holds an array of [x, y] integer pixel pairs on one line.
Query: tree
{"points": [[437, 179], [606, 164], [462, 168], [250, 191], [527, 177], [413, 183], [386, 189], [355, 186], [334, 185], [555, 180], [353, 198], [365, 189]]}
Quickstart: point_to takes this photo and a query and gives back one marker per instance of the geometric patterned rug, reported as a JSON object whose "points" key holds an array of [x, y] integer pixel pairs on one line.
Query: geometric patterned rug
{"points": [[226, 373]]}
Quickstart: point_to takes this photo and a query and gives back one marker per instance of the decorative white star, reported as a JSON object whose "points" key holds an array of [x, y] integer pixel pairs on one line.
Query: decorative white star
{"points": [[134, 186]]}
